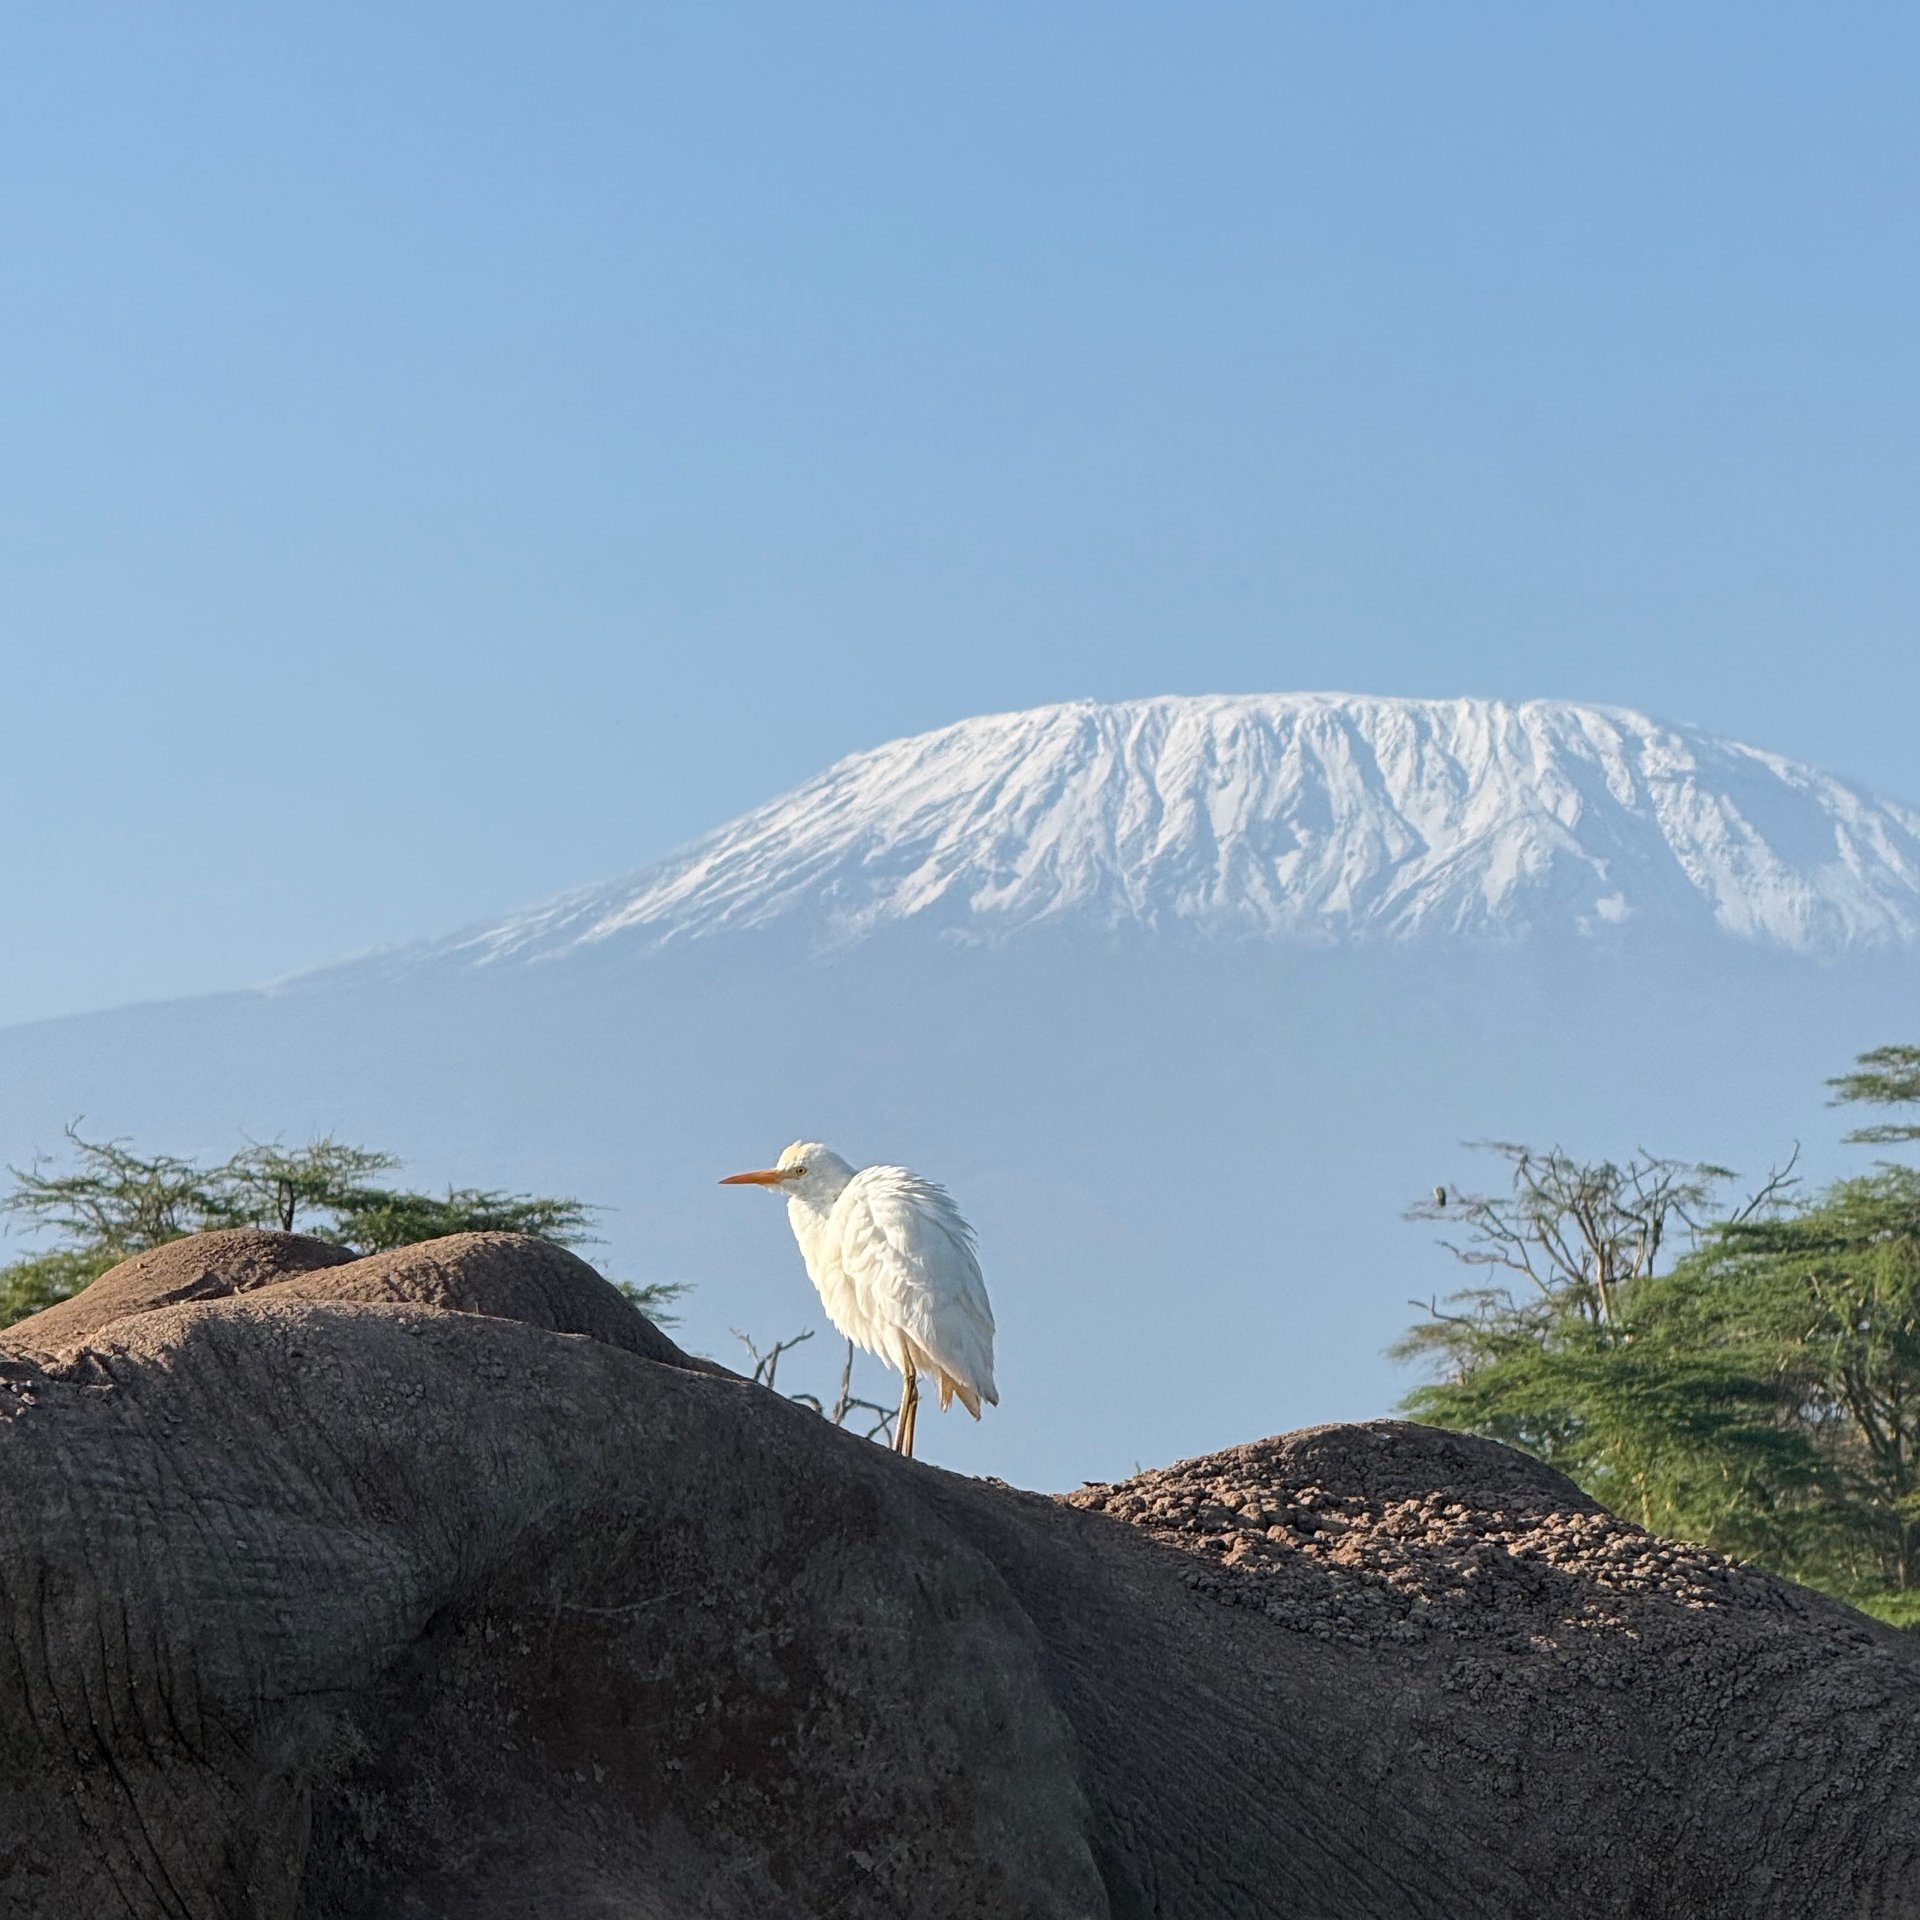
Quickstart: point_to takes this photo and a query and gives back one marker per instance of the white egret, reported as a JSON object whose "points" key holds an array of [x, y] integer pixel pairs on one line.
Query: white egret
{"points": [[894, 1266]]}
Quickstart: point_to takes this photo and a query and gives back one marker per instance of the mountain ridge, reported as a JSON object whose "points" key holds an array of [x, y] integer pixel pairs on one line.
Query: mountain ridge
{"points": [[1188, 1158], [1315, 818]]}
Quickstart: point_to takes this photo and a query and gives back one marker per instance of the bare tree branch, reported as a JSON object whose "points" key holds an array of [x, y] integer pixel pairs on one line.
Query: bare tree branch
{"points": [[846, 1402], [767, 1364]]}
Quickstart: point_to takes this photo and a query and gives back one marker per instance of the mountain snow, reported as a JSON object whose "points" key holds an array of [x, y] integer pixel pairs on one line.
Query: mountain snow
{"points": [[1299, 817], [1331, 939]]}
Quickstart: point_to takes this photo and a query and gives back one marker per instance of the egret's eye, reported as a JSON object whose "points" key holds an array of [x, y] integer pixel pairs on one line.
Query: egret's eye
{"points": [[799, 1173]]}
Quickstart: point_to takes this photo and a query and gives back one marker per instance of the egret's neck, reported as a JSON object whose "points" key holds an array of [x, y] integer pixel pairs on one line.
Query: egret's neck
{"points": [[810, 1201], [808, 1220]]}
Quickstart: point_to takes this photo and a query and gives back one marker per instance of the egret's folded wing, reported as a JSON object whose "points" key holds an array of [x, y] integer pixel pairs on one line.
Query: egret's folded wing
{"points": [[909, 1253]]}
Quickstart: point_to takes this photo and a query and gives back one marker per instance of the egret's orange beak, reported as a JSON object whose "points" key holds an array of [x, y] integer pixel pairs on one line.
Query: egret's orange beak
{"points": [[766, 1177]]}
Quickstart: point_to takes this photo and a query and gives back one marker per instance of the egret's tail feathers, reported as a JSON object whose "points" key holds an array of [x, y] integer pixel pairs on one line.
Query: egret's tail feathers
{"points": [[949, 1386]]}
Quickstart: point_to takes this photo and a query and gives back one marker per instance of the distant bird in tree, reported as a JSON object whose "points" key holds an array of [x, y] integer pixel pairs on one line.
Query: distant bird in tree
{"points": [[894, 1266], [1439, 1196]]}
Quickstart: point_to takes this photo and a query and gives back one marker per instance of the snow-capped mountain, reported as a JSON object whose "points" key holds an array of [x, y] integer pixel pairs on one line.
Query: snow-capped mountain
{"points": [[1304, 817], [1398, 925]]}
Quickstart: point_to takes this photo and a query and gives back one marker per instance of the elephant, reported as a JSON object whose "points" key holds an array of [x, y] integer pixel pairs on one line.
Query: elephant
{"points": [[441, 1582]]}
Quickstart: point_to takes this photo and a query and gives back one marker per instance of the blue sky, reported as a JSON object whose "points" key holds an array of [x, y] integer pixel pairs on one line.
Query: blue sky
{"points": [[455, 452]]}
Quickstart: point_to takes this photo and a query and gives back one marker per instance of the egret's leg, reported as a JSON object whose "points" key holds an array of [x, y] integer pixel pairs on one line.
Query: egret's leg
{"points": [[906, 1399], [909, 1407]]}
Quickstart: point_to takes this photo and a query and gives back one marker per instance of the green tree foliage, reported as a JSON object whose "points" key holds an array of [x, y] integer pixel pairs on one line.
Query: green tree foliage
{"points": [[285, 1187], [109, 1202], [1760, 1393], [1888, 1076], [1828, 1299]]}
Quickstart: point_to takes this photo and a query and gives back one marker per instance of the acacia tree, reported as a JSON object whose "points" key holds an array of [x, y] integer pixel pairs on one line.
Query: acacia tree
{"points": [[1551, 1354], [109, 1202], [1578, 1233], [113, 1203], [1832, 1294], [1829, 1301], [1762, 1393], [116, 1200], [1888, 1076], [277, 1186]]}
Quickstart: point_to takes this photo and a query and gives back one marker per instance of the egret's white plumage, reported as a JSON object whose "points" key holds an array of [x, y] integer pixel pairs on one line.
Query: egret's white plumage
{"points": [[894, 1265]]}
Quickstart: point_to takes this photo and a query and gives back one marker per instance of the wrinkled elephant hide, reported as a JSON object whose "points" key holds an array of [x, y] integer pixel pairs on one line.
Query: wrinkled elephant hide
{"points": [[441, 1583]]}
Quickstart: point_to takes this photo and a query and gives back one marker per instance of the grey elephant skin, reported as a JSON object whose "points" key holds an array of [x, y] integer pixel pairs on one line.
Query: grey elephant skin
{"points": [[441, 1583]]}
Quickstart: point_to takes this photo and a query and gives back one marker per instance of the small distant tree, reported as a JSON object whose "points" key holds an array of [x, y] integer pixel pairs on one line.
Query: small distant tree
{"points": [[295, 1187], [108, 1202]]}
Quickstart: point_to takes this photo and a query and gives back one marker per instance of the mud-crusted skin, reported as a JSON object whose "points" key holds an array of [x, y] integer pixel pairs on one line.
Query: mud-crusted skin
{"points": [[442, 1583]]}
